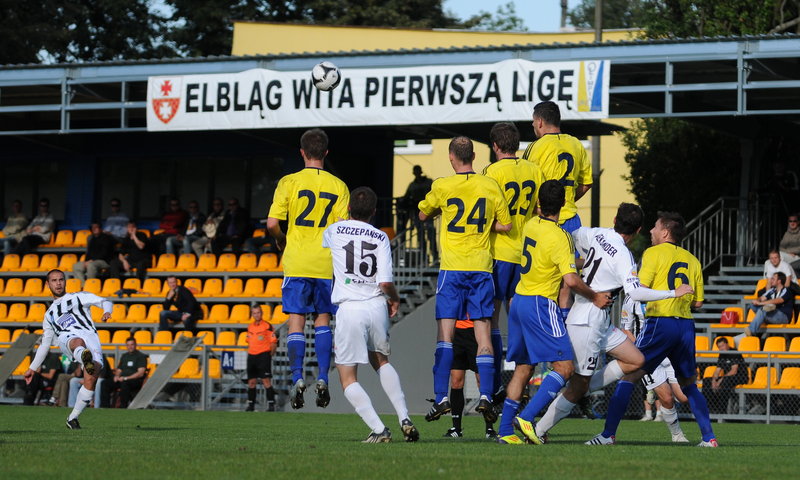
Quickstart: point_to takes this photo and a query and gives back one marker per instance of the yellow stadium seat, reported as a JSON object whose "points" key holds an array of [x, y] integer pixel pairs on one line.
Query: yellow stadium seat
{"points": [[33, 287], [10, 263], [73, 285], [278, 316], [749, 344], [16, 333], [219, 314], [214, 368], [190, 368], [143, 337], [233, 288], [154, 314], [67, 261], [247, 262], [104, 336], [64, 238], [204, 309], [165, 263], [709, 371], [259, 232], [93, 285], [132, 284], [226, 263], [2, 286], [22, 367], [194, 285], [254, 287], [790, 379], [212, 288], [186, 262], [120, 336], [136, 313], [110, 287], [17, 313], [794, 349], [152, 287], [30, 263], [183, 333], [3, 312], [242, 342], [36, 312], [267, 261], [773, 344], [163, 338], [208, 337], [226, 339], [207, 262], [118, 313], [273, 289], [5, 335], [14, 287], [760, 285], [266, 310], [760, 381], [240, 314], [97, 314], [279, 267], [81, 238], [48, 262]]}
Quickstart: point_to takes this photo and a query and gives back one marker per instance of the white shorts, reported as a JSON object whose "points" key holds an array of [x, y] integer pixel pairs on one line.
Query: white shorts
{"points": [[89, 338], [361, 327], [663, 373], [589, 341]]}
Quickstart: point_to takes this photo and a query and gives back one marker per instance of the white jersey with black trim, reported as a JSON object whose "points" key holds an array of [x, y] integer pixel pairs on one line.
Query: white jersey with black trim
{"points": [[362, 259], [69, 315]]}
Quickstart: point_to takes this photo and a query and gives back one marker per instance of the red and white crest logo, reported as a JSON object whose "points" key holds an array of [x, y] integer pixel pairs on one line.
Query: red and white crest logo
{"points": [[166, 106]]}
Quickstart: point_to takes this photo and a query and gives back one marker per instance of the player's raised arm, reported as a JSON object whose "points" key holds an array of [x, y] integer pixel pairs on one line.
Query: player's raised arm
{"points": [[41, 352], [97, 301]]}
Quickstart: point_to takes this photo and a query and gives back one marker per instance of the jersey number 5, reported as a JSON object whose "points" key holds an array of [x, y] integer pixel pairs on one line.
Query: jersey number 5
{"points": [[302, 220], [526, 264], [477, 216]]}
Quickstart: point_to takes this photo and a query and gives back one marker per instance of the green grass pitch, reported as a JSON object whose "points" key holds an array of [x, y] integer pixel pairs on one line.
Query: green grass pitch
{"points": [[35, 444]]}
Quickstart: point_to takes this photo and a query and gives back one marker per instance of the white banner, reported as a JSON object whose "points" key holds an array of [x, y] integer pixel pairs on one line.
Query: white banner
{"points": [[503, 91]]}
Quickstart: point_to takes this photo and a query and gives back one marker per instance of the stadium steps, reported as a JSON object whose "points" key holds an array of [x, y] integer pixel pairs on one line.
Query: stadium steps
{"points": [[727, 289]]}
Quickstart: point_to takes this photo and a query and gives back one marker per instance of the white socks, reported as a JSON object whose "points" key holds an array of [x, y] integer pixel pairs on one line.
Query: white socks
{"points": [[671, 419], [359, 399], [605, 376], [390, 381], [559, 409], [83, 399]]}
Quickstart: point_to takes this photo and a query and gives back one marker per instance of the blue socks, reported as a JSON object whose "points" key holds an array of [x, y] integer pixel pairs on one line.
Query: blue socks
{"points": [[510, 408], [487, 375], [551, 385], [497, 346], [323, 345], [443, 360], [699, 407], [617, 406], [296, 348]]}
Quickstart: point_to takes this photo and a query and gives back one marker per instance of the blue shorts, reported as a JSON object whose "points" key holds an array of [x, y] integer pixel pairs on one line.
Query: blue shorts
{"points": [[536, 331], [571, 224], [459, 294], [505, 276], [668, 337], [307, 295]]}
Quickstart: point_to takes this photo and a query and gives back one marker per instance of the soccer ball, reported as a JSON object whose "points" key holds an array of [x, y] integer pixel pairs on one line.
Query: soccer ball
{"points": [[325, 76]]}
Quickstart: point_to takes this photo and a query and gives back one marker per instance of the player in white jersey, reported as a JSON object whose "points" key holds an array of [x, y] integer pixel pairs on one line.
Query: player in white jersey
{"points": [[362, 273], [68, 321], [608, 266], [662, 381]]}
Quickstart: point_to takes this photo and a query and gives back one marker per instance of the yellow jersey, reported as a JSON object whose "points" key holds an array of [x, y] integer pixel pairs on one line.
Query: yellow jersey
{"points": [[521, 181], [309, 200], [470, 203], [665, 267], [562, 157], [548, 253]]}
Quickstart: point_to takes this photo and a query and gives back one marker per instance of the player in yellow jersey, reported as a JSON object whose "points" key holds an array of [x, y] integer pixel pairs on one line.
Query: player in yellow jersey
{"points": [[471, 206], [309, 201], [536, 330], [520, 180], [669, 327]]}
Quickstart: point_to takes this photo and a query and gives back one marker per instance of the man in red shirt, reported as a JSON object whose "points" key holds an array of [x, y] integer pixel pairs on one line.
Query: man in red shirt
{"points": [[261, 341]]}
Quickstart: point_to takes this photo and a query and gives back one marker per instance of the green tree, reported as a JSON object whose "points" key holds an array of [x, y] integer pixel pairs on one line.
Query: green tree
{"points": [[616, 14], [504, 20]]}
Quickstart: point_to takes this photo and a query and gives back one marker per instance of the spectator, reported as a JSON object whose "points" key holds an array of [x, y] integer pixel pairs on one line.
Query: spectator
{"points": [[117, 222], [192, 231], [188, 312], [214, 218], [234, 229], [774, 307], [43, 378], [99, 254], [731, 371], [60, 395], [775, 264], [790, 243], [255, 245], [75, 383], [173, 223], [14, 229], [261, 341], [426, 231], [134, 254], [39, 230], [129, 377]]}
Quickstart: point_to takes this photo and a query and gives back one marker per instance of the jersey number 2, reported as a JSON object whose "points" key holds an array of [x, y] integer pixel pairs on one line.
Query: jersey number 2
{"points": [[302, 219]]}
